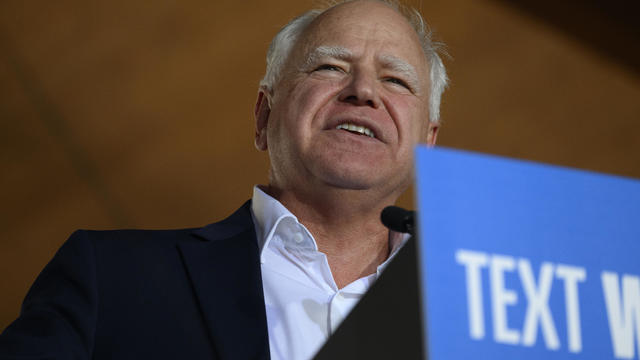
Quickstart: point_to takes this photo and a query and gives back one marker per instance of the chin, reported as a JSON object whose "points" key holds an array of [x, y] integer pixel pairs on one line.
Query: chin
{"points": [[363, 173], [349, 183], [359, 179]]}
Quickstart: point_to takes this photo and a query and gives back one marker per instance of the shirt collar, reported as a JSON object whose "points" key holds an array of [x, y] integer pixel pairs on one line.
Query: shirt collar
{"points": [[396, 242], [268, 212]]}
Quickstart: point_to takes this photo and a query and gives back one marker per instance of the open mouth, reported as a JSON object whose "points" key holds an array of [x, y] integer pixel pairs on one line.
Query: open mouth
{"points": [[356, 129]]}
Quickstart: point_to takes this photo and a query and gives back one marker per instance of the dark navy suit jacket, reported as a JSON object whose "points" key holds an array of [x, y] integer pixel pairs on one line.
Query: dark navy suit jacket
{"points": [[138, 294]]}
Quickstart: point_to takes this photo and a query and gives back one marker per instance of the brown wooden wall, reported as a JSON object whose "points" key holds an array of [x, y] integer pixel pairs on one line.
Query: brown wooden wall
{"points": [[139, 114]]}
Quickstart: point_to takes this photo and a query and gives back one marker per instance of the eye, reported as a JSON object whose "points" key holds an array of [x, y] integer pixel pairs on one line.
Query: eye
{"points": [[328, 67], [399, 82]]}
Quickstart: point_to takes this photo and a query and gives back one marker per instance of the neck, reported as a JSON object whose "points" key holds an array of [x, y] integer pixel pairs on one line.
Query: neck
{"points": [[346, 226]]}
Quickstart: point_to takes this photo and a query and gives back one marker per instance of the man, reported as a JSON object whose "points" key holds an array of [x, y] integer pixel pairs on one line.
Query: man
{"points": [[348, 93]]}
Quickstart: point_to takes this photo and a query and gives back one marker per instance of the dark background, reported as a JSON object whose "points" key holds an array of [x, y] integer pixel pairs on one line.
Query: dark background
{"points": [[139, 114]]}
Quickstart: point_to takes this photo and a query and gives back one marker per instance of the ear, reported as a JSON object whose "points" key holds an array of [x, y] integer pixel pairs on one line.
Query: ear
{"points": [[261, 113], [432, 134]]}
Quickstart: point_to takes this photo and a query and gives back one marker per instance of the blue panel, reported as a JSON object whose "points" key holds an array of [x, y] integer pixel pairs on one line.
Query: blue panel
{"points": [[520, 231]]}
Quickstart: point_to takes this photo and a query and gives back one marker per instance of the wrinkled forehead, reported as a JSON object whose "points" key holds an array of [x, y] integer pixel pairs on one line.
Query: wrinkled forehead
{"points": [[356, 22]]}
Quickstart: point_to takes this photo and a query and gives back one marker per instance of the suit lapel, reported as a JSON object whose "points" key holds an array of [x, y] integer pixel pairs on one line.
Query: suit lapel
{"points": [[224, 268]]}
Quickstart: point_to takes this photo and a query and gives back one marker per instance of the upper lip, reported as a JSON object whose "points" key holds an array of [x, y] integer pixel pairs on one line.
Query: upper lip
{"points": [[356, 120]]}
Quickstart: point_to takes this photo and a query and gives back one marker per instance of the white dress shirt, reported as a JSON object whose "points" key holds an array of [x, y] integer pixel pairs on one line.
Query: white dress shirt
{"points": [[303, 303]]}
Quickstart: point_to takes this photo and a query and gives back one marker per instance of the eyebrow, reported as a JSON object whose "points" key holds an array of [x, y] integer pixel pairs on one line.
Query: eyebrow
{"points": [[334, 52]]}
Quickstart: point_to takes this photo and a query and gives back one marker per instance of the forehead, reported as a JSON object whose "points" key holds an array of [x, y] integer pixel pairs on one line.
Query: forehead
{"points": [[363, 26]]}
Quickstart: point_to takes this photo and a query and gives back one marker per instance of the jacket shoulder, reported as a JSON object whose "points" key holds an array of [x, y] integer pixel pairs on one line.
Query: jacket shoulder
{"points": [[240, 221]]}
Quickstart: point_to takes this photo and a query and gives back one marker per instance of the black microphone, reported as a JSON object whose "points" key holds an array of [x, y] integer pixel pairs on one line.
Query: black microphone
{"points": [[398, 219]]}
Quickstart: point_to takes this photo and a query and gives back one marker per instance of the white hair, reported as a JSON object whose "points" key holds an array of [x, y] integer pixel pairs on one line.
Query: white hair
{"points": [[286, 38]]}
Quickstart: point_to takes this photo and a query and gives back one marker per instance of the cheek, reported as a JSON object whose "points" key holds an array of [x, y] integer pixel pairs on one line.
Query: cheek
{"points": [[410, 117], [292, 117], [307, 101]]}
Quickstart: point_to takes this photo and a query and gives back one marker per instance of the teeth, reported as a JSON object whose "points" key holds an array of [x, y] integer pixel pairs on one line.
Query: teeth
{"points": [[356, 128]]}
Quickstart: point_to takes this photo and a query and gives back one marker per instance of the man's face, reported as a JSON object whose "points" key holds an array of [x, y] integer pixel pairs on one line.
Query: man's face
{"points": [[351, 104]]}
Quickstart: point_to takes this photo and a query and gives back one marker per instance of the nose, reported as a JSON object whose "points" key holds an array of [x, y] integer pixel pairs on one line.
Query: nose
{"points": [[361, 90]]}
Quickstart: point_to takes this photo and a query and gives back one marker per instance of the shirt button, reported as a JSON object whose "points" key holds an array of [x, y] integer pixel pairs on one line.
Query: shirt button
{"points": [[298, 237]]}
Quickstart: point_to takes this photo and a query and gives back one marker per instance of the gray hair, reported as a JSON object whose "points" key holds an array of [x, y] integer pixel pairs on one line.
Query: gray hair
{"points": [[283, 42]]}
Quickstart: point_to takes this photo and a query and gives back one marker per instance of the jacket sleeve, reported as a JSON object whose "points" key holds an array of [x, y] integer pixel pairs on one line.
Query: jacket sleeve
{"points": [[59, 314]]}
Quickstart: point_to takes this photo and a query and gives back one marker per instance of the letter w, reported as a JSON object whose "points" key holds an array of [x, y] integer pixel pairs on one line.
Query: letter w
{"points": [[624, 318]]}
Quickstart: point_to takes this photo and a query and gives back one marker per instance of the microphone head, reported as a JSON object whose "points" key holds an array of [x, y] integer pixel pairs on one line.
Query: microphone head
{"points": [[398, 219]]}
